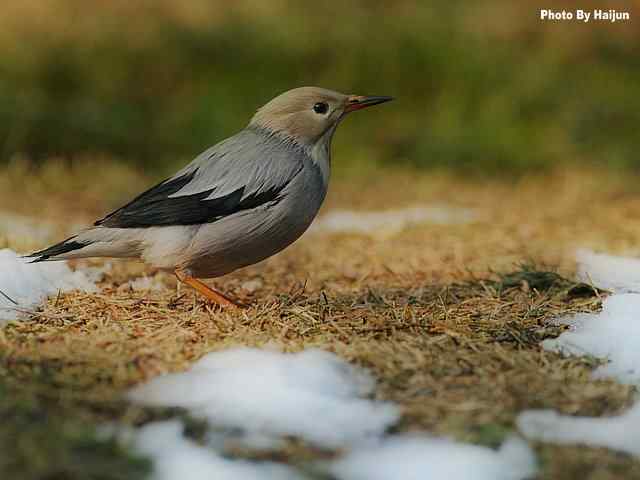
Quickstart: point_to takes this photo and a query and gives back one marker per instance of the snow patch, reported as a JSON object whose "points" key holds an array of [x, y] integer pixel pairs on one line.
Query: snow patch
{"points": [[24, 286], [176, 457], [422, 457], [390, 221], [612, 334], [619, 433], [617, 274], [312, 395]]}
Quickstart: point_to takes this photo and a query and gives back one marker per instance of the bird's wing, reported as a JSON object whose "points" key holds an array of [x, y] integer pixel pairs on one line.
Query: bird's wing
{"points": [[240, 173]]}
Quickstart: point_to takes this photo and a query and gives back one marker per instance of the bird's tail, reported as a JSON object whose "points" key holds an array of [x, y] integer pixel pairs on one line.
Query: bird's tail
{"points": [[94, 242], [59, 251]]}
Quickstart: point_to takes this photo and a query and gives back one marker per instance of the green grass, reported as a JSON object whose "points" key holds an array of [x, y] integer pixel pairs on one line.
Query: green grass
{"points": [[46, 435], [480, 87]]}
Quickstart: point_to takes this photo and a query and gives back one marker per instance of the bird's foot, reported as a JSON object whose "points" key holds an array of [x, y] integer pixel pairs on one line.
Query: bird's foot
{"points": [[210, 293]]}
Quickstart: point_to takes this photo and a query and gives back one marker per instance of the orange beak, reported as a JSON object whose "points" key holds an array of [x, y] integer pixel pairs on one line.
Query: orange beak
{"points": [[358, 102]]}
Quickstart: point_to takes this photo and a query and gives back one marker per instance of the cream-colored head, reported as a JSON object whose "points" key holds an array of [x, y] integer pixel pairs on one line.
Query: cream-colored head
{"points": [[305, 114]]}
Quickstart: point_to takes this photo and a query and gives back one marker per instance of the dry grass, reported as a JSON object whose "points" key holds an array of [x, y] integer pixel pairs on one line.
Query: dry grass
{"points": [[431, 310]]}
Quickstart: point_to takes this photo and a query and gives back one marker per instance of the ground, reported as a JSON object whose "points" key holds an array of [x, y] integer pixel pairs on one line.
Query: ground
{"points": [[449, 317]]}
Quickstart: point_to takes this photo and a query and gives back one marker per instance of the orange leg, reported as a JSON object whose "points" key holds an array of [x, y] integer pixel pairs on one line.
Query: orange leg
{"points": [[212, 294]]}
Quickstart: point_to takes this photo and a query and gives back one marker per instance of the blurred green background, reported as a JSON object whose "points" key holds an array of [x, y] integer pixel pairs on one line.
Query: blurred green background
{"points": [[481, 87]]}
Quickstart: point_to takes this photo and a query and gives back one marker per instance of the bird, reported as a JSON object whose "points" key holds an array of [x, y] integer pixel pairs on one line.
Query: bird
{"points": [[237, 203]]}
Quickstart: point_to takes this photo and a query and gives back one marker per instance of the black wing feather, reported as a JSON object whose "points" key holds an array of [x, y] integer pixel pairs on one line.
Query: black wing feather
{"points": [[156, 207], [65, 246]]}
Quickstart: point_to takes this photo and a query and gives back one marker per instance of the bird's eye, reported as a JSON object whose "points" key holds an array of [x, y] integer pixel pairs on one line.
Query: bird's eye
{"points": [[321, 107]]}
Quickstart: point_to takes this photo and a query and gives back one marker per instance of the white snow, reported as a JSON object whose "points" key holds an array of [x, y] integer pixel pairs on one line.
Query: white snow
{"points": [[612, 334], [421, 457], [389, 221], [619, 433], [399, 456], [176, 457], [24, 285], [312, 395], [617, 274]]}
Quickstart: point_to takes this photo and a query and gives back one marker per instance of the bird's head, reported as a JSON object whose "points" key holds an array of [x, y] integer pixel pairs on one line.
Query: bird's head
{"points": [[306, 114]]}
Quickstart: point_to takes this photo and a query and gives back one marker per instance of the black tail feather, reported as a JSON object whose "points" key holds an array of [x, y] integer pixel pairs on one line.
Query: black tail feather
{"points": [[65, 246]]}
